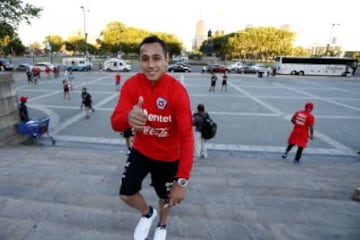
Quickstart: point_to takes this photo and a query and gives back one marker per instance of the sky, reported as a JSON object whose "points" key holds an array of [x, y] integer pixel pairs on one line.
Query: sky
{"points": [[314, 22]]}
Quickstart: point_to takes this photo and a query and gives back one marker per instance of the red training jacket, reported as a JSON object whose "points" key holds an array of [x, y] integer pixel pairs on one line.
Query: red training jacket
{"points": [[167, 135]]}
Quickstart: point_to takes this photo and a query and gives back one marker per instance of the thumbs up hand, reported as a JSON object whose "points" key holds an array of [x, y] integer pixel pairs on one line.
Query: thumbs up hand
{"points": [[137, 116]]}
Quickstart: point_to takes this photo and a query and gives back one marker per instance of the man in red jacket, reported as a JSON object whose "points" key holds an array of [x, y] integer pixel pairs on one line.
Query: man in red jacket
{"points": [[157, 107], [303, 128]]}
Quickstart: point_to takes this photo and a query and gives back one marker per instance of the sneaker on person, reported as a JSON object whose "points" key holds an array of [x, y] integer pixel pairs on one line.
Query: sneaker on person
{"points": [[143, 227], [284, 156], [160, 233]]}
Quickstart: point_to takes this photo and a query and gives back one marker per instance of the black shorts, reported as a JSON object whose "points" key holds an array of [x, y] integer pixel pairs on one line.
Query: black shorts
{"points": [[138, 166]]}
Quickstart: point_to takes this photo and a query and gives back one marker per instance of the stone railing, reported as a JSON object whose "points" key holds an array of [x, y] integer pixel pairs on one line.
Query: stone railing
{"points": [[9, 114]]}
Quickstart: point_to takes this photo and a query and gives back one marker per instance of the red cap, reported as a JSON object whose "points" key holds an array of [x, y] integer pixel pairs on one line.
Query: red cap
{"points": [[309, 106], [23, 99]]}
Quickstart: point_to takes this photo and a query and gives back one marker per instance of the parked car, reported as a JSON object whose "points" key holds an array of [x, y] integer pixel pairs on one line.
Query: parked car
{"points": [[257, 67], [218, 68], [245, 69], [116, 65], [5, 65], [23, 67], [43, 65], [179, 68], [234, 66]]}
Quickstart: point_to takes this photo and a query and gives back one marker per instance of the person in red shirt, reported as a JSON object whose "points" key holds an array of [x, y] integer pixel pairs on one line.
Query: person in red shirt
{"points": [[157, 107], [303, 129], [117, 81], [36, 74], [47, 71]]}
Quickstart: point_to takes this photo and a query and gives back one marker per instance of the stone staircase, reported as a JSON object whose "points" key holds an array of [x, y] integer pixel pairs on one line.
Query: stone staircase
{"points": [[71, 192]]}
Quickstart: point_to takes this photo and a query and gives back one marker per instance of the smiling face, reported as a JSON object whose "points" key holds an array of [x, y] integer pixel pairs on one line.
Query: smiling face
{"points": [[153, 61]]}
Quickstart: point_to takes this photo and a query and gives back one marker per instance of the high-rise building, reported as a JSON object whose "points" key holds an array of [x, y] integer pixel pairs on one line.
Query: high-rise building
{"points": [[200, 34]]}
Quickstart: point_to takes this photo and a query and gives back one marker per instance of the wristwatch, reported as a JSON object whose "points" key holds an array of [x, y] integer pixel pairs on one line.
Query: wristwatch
{"points": [[182, 182]]}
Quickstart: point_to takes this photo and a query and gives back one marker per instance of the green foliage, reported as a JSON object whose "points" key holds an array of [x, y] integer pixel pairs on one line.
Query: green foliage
{"points": [[261, 43], [299, 51], [14, 47], [117, 37], [12, 13], [55, 41], [6, 30]]}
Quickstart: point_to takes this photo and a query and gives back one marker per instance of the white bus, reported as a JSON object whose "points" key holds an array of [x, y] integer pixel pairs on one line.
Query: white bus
{"points": [[326, 66]]}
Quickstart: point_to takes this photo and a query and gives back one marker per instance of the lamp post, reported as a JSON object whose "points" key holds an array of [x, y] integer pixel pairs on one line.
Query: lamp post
{"points": [[330, 36], [85, 33]]}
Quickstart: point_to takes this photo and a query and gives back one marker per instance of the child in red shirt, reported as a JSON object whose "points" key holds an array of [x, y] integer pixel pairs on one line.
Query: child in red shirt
{"points": [[117, 81]]}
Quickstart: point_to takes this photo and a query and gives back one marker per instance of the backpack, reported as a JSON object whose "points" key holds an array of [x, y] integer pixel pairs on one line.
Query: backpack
{"points": [[209, 128]]}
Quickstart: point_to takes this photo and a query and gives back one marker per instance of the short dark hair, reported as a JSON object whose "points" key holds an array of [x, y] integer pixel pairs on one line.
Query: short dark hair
{"points": [[153, 39], [201, 107]]}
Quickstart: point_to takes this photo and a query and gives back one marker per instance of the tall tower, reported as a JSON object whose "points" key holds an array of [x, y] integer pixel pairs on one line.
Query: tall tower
{"points": [[200, 34]]}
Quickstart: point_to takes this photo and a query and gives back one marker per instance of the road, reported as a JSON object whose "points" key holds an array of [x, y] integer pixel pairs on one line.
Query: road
{"points": [[253, 116]]}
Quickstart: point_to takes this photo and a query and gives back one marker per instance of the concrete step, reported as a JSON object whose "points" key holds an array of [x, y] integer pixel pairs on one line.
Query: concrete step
{"points": [[57, 192]]}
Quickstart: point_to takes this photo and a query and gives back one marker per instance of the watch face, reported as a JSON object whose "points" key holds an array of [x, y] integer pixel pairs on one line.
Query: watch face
{"points": [[182, 182]]}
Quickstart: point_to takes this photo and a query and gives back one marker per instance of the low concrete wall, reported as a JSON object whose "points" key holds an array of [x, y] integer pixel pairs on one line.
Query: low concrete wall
{"points": [[9, 114]]}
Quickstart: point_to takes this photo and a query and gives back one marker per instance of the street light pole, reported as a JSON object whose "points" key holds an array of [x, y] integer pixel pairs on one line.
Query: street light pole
{"points": [[330, 36], [85, 33]]}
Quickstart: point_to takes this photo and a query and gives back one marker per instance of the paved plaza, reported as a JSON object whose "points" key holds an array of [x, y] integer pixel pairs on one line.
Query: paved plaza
{"points": [[244, 190], [254, 115]]}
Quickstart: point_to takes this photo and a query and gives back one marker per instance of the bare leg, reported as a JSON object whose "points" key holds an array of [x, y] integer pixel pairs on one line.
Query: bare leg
{"points": [[136, 201], [163, 212]]}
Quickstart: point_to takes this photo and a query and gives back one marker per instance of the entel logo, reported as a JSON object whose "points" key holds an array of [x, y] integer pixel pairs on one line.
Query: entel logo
{"points": [[159, 118]]}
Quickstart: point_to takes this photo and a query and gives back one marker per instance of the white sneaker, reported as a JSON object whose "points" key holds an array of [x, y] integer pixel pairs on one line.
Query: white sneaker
{"points": [[143, 227], [160, 233]]}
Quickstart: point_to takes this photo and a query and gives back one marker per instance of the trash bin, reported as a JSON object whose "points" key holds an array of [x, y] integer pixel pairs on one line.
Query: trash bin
{"points": [[260, 74]]}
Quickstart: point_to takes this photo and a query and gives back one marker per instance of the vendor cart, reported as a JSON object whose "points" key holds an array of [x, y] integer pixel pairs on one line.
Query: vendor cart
{"points": [[35, 128]]}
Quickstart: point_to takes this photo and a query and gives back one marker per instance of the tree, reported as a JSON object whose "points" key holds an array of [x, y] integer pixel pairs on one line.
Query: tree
{"points": [[55, 41], [76, 45], [300, 51], [261, 43], [12, 13], [116, 37], [14, 47], [173, 44]]}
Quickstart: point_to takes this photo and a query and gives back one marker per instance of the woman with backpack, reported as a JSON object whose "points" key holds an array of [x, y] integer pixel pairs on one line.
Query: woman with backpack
{"points": [[199, 118]]}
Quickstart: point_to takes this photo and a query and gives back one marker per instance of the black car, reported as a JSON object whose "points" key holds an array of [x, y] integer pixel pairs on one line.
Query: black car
{"points": [[5, 65], [179, 68]]}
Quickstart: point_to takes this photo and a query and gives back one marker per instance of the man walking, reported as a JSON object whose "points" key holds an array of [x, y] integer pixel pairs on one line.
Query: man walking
{"points": [[303, 128]]}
